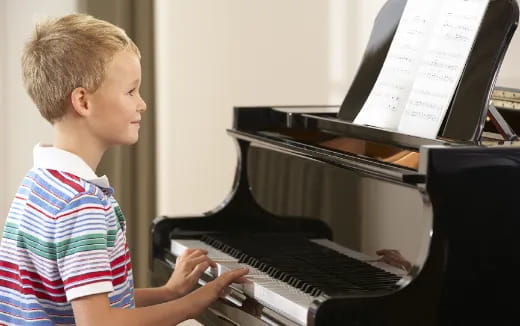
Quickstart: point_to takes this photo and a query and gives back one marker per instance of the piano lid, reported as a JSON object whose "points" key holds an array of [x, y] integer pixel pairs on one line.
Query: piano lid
{"points": [[465, 119]]}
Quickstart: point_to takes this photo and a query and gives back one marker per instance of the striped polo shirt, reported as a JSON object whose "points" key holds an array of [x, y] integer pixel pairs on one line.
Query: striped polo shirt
{"points": [[64, 238]]}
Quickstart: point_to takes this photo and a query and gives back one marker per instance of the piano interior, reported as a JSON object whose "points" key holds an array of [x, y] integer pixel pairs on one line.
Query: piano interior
{"points": [[344, 224], [360, 147]]}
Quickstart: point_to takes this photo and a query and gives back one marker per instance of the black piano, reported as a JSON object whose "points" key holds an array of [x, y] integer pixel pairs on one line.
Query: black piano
{"points": [[344, 224]]}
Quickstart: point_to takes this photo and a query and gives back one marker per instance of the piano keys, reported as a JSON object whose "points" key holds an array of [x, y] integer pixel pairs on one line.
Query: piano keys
{"points": [[288, 285], [272, 293], [316, 198]]}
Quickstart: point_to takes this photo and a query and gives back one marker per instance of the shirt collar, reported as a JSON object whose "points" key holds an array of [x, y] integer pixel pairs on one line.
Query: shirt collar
{"points": [[49, 157]]}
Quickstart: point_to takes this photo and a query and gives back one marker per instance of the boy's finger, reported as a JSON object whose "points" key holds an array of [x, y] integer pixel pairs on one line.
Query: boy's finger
{"points": [[190, 264], [232, 276], [203, 254], [242, 280], [187, 251], [196, 252], [198, 270]]}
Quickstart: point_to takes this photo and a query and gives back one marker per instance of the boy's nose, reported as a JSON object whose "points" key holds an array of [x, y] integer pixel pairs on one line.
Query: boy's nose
{"points": [[142, 106]]}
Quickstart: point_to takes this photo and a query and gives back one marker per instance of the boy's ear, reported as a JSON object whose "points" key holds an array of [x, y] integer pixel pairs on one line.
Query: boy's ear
{"points": [[79, 102]]}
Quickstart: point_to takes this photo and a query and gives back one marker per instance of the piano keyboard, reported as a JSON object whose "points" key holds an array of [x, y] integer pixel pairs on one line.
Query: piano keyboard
{"points": [[276, 295], [287, 282]]}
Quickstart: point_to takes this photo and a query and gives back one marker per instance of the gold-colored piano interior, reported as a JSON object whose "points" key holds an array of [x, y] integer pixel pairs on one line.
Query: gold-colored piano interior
{"points": [[377, 151]]}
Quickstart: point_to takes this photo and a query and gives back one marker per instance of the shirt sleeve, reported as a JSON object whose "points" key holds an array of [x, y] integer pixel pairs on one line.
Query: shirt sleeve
{"points": [[81, 238]]}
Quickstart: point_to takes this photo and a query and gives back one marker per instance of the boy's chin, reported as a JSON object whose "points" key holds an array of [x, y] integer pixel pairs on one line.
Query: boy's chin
{"points": [[127, 141], [132, 142], [122, 139]]}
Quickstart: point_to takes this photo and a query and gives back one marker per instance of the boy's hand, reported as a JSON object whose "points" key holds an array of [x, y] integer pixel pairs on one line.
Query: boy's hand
{"points": [[204, 296], [219, 287], [188, 268], [221, 283]]}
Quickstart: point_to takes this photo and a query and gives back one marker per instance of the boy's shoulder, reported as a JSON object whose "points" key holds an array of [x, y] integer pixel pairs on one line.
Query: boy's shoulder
{"points": [[59, 188]]}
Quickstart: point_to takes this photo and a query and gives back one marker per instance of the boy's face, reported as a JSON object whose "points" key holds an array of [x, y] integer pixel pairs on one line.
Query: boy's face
{"points": [[117, 105]]}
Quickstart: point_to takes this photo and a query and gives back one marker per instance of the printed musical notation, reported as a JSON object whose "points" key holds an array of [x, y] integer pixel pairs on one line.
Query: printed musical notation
{"points": [[423, 66], [399, 69]]}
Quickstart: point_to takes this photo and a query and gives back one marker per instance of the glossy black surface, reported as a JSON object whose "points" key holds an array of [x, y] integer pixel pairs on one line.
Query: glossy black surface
{"points": [[303, 118], [466, 116], [285, 193], [471, 257], [365, 214]]}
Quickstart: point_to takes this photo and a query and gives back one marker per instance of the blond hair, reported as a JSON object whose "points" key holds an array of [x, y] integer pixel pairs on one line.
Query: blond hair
{"points": [[66, 53]]}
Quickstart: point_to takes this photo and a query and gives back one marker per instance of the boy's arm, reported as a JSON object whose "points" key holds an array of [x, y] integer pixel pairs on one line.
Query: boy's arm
{"points": [[96, 310], [149, 296]]}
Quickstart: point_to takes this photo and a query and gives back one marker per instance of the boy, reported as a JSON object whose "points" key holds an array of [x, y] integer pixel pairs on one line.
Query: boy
{"points": [[63, 257]]}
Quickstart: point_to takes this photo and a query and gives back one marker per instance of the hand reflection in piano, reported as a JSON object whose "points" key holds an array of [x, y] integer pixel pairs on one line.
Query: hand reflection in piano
{"points": [[394, 258]]}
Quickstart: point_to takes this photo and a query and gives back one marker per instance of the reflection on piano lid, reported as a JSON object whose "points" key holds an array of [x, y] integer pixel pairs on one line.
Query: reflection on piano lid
{"points": [[344, 224]]}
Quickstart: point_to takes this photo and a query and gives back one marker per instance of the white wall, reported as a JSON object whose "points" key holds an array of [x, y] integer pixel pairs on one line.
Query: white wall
{"points": [[509, 75], [213, 55], [21, 126]]}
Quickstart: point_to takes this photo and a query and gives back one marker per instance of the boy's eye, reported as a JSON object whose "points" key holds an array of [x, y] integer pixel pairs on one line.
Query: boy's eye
{"points": [[132, 91]]}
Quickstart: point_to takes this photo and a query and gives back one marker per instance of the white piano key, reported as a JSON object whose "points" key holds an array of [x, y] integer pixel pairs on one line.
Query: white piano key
{"points": [[274, 294], [177, 247]]}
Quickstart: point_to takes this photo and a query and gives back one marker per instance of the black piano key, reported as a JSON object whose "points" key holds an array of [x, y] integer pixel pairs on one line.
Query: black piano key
{"points": [[306, 287], [294, 282], [303, 264], [277, 274]]}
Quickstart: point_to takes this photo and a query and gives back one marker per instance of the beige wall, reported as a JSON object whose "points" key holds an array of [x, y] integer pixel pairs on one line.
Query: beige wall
{"points": [[213, 55], [509, 74], [20, 124]]}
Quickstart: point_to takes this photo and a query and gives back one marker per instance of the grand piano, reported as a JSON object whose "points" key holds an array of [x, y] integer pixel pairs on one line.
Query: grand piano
{"points": [[345, 224]]}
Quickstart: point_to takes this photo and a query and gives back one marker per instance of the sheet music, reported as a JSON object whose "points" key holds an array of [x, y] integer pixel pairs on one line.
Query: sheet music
{"points": [[441, 68], [423, 66]]}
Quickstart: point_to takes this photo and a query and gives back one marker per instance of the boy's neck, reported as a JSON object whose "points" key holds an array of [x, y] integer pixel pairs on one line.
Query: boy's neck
{"points": [[83, 146]]}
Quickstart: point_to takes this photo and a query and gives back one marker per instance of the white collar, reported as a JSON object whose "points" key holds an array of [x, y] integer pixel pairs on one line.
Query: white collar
{"points": [[49, 157]]}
